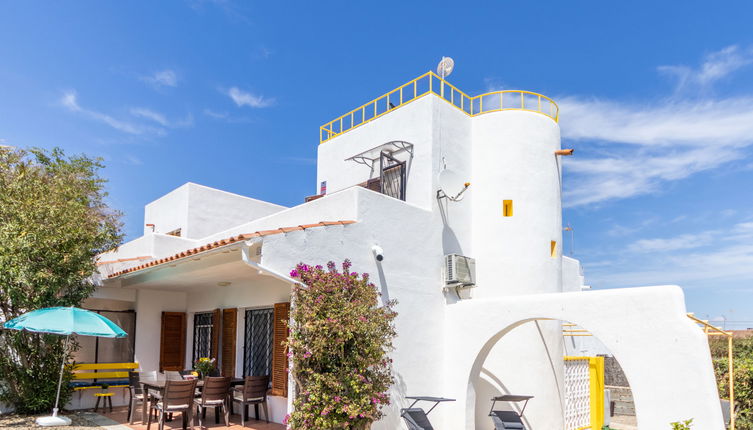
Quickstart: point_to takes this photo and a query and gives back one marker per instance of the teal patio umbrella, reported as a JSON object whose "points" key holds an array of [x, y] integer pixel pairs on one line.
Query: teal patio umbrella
{"points": [[64, 321]]}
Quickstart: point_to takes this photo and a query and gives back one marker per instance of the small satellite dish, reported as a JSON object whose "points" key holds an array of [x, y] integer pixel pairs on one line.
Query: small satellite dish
{"points": [[445, 67], [452, 184]]}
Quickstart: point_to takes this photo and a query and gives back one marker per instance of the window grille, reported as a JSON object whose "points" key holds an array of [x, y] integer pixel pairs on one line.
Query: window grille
{"points": [[392, 176], [257, 350], [202, 335], [109, 350]]}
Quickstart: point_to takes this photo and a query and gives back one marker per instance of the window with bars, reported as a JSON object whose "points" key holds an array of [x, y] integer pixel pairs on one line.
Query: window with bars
{"points": [[94, 349], [202, 335], [257, 350]]}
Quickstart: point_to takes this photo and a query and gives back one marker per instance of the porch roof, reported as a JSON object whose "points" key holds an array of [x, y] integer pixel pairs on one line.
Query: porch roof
{"points": [[224, 242]]}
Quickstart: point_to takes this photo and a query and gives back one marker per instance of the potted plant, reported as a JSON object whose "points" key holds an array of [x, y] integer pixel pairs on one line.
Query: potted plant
{"points": [[104, 386], [204, 366]]}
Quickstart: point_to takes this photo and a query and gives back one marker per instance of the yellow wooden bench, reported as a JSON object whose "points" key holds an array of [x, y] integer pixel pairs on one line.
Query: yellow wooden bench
{"points": [[90, 375]]}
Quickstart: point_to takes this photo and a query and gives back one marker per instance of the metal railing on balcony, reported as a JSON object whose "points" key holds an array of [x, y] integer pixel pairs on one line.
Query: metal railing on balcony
{"points": [[431, 83]]}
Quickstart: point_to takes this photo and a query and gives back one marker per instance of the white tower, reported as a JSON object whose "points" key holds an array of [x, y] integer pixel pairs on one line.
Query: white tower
{"points": [[517, 235]]}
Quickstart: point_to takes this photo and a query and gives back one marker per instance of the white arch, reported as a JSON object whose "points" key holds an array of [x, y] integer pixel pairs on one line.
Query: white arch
{"points": [[664, 355]]}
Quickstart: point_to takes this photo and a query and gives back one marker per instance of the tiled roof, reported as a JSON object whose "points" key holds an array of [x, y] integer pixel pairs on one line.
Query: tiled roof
{"points": [[224, 242]]}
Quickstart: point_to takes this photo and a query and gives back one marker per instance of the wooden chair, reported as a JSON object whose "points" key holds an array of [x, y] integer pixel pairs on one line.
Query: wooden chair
{"points": [[213, 395], [136, 395], [173, 375], [253, 392], [177, 397]]}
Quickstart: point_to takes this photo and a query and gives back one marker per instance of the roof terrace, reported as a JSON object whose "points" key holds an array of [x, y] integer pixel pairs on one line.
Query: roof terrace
{"points": [[431, 83]]}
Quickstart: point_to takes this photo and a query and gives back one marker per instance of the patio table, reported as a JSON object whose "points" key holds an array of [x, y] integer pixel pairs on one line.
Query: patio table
{"points": [[159, 385]]}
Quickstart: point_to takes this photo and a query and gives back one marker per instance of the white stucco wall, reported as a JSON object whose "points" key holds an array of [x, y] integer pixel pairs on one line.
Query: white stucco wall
{"points": [[411, 273], [664, 355], [211, 210], [149, 307], [200, 211]]}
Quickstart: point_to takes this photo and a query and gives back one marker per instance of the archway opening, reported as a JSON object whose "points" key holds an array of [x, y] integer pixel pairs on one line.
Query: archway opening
{"points": [[557, 362]]}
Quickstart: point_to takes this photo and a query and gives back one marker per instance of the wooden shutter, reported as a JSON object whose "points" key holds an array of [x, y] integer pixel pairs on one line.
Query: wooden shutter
{"points": [[214, 348], [172, 351], [279, 350], [229, 324]]}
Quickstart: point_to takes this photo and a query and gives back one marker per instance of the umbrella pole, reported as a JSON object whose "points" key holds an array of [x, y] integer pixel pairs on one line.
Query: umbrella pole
{"points": [[60, 379]]}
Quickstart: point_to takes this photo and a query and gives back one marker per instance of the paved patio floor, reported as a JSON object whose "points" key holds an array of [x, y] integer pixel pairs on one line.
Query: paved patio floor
{"points": [[119, 415]]}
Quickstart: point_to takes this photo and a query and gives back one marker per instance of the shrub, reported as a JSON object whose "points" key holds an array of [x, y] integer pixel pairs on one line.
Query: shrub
{"points": [[743, 368], [53, 223], [339, 344], [682, 425]]}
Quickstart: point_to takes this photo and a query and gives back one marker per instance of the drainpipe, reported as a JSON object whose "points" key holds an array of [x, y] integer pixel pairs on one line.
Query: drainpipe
{"points": [[246, 255]]}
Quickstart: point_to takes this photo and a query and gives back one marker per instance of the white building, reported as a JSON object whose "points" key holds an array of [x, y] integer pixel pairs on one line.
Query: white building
{"points": [[211, 266]]}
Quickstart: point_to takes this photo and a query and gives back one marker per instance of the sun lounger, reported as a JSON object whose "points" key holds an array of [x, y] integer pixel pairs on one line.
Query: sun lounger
{"points": [[416, 418], [508, 420]]}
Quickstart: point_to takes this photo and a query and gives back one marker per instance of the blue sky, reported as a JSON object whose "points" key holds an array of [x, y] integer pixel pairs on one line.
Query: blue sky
{"points": [[656, 97]]}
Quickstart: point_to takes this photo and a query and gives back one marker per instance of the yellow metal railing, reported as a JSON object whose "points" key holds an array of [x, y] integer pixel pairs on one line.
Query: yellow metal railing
{"points": [[431, 83]]}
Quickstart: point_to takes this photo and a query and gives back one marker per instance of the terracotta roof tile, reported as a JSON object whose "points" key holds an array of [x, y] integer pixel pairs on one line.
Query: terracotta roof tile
{"points": [[220, 243]]}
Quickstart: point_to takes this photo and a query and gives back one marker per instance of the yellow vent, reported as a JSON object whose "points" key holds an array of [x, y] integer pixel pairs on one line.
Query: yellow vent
{"points": [[507, 208]]}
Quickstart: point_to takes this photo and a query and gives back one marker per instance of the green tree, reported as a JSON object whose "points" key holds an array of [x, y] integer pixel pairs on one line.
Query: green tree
{"points": [[339, 344], [743, 369], [53, 222]]}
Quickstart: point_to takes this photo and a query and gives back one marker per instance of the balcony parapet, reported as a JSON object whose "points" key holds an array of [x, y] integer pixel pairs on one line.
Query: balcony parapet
{"points": [[431, 83]]}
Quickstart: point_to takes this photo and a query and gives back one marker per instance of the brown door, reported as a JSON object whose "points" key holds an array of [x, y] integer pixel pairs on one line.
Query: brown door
{"points": [[172, 351], [280, 350], [229, 323]]}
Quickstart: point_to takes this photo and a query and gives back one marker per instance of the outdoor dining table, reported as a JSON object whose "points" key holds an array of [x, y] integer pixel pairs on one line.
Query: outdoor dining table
{"points": [[158, 384]]}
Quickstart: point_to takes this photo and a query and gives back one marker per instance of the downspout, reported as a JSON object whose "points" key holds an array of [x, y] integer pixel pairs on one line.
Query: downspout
{"points": [[246, 255]]}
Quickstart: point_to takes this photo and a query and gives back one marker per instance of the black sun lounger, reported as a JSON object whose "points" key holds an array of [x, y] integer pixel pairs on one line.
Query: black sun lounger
{"points": [[416, 418], [509, 420]]}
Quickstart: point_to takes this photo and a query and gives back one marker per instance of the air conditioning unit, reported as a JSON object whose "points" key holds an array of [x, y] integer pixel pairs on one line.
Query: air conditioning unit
{"points": [[460, 270]]}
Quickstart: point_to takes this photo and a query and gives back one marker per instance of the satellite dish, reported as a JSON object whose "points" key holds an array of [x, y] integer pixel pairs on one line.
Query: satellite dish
{"points": [[452, 184], [445, 67]]}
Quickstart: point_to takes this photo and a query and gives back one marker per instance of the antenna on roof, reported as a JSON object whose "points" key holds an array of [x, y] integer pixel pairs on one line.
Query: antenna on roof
{"points": [[445, 67]]}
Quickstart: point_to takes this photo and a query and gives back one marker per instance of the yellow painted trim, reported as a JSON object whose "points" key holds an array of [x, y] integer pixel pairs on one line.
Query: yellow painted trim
{"points": [[596, 371], [327, 131], [100, 375], [98, 366], [99, 386], [506, 207]]}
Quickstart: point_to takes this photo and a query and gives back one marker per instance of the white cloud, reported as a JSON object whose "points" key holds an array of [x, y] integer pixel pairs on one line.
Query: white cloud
{"points": [[69, 100], [684, 241], [216, 115], [151, 115], [715, 67], [162, 78], [244, 98], [133, 160], [662, 123], [724, 256], [633, 173], [659, 142], [161, 119]]}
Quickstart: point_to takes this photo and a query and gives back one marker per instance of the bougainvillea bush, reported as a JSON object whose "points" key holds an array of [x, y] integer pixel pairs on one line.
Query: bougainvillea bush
{"points": [[340, 341]]}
